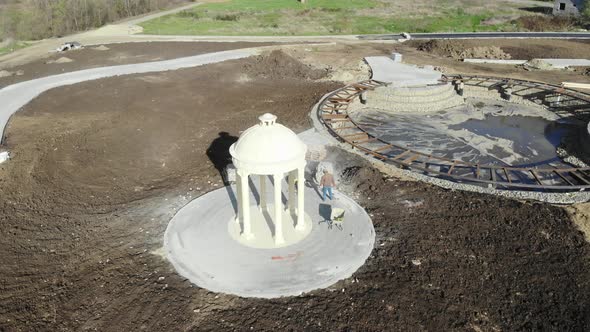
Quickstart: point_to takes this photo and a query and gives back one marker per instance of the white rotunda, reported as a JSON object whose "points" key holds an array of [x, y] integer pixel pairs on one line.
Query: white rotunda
{"points": [[270, 149], [272, 248]]}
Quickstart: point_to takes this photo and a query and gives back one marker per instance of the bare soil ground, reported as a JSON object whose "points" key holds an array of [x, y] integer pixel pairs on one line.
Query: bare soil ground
{"points": [[99, 168], [517, 48]]}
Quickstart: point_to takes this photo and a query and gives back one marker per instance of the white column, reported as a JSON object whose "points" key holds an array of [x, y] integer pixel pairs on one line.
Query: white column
{"points": [[262, 192], [239, 196], [291, 202], [300, 203], [245, 196], [279, 239]]}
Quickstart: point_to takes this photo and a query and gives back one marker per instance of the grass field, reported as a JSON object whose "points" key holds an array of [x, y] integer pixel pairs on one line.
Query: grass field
{"points": [[13, 47], [329, 17]]}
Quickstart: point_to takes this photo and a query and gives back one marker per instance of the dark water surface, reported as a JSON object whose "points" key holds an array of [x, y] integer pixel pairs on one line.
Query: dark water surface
{"points": [[490, 138]]}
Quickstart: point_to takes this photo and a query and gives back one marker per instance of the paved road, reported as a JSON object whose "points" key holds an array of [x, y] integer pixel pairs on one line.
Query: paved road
{"points": [[482, 35]]}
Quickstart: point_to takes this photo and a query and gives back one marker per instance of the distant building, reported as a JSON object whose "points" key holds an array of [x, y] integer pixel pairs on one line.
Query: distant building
{"points": [[568, 7]]}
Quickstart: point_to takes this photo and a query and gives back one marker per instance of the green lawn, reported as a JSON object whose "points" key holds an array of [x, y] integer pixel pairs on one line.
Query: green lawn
{"points": [[328, 17], [13, 47]]}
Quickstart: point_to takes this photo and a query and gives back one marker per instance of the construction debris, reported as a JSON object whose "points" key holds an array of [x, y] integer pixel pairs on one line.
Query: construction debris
{"points": [[537, 64]]}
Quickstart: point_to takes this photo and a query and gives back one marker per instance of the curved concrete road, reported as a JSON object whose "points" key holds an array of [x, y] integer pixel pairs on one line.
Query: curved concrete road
{"points": [[15, 96]]}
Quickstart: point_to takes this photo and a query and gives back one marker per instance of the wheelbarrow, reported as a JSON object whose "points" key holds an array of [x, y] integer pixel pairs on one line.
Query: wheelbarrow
{"points": [[336, 218]]}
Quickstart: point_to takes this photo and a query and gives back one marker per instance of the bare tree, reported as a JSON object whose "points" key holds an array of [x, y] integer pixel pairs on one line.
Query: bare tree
{"points": [[36, 19]]}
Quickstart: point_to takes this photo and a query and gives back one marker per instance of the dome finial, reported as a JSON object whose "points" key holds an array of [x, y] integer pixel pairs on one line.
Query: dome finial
{"points": [[267, 119]]}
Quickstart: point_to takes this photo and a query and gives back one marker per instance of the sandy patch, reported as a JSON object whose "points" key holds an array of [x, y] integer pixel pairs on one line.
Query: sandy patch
{"points": [[60, 60], [101, 48], [580, 215], [154, 78], [5, 73]]}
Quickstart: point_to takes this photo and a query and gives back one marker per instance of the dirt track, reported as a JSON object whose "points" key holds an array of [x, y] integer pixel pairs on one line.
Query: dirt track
{"points": [[86, 199]]}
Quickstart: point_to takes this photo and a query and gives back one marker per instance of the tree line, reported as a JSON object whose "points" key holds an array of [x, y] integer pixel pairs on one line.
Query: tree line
{"points": [[38, 19], [586, 12]]}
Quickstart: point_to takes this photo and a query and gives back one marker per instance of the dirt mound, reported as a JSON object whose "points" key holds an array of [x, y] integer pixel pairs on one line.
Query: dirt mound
{"points": [[366, 180], [101, 48], [279, 65], [485, 52], [63, 59], [444, 48], [533, 48], [546, 23], [537, 64], [461, 50]]}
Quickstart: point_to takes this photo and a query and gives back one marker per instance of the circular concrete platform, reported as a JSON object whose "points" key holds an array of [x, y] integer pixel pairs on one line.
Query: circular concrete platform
{"points": [[263, 227], [199, 245]]}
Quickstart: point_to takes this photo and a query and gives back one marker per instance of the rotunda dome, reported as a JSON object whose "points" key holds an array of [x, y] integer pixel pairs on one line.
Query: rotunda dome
{"points": [[268, 147]]}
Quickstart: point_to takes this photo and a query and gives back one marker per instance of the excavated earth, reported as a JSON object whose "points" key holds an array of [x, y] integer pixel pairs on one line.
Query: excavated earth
{"points": [[99, 168], [505, 48]]}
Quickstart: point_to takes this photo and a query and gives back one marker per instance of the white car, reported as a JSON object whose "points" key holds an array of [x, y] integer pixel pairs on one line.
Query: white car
{"points": [[69, 46], [406, 35]]}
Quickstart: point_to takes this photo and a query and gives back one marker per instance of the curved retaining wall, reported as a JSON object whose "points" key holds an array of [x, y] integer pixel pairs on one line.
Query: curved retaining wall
{"points": [[413, 99], [331, 139]]}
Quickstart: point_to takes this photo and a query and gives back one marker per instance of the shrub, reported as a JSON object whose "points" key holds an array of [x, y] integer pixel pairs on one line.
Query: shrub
{"points": [[545, 23], [304, 12], [332, 10], [227, 17], [586, 12], [190, 14]]}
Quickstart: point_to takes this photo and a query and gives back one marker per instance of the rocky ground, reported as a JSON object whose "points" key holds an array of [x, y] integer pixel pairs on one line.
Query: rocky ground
{"points": [[99, 168]]}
